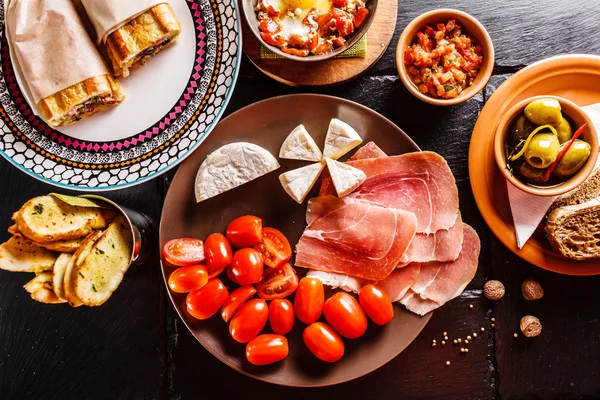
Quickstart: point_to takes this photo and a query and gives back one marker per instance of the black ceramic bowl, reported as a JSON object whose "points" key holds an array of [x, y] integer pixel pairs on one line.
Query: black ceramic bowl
{"points": [[250, 14]]}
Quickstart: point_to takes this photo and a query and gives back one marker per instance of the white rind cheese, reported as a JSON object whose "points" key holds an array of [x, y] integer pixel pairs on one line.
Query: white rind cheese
{"points": [[298, 182], [299, 145], [231, 166], [345, 178], [340, 139]]}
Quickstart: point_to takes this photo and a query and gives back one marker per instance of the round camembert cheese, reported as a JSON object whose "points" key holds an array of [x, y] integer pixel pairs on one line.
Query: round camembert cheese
{"points": [[299, 145], [340, 139], [345, 178], [231, 166], [298, 182]]}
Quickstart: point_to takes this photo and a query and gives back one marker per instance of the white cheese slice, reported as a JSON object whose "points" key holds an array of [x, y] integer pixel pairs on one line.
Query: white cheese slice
{"points": [[340, 139], [298, 182], [299, 145], [231, 166], [345, 177]]}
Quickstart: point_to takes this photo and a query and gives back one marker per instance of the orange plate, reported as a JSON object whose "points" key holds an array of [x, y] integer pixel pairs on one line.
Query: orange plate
{"points": [[575, 77]]}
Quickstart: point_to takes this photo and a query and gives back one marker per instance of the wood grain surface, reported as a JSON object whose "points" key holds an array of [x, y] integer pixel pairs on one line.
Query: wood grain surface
{"points": [[135, 347]]}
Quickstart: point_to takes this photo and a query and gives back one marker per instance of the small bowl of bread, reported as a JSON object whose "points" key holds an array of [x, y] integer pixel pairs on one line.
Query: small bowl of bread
{"points": [[78, 247]]}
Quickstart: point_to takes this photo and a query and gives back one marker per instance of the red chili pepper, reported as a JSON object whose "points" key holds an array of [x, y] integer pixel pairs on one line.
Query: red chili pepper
{"points": [[562, 153]]}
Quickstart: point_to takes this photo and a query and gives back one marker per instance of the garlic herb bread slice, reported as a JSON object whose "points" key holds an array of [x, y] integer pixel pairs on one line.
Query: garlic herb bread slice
{"points": [[299, 145], [340, 139], [345, 177], [46, 219], [231, 166], [58, 274], [41, 289], [80, 255], [21, 255], [101, 272], [298, 182]]}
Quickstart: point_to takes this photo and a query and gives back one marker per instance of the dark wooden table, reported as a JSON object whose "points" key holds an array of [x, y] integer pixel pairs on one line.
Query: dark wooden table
{"points": [[135, 346]]}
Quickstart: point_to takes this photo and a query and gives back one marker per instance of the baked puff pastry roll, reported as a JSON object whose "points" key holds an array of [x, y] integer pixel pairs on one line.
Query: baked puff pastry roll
{"points": [[133, 31], [61, 69]]}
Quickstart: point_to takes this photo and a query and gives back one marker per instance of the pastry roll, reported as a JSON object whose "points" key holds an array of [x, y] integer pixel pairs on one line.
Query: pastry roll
{"points": [[61, 70], [133, 31]]}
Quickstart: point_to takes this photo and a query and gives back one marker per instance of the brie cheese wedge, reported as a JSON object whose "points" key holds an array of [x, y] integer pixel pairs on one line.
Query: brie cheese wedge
{"points": [[340, 139], [299, 145], [298, 182], [345, 178], [231, 166]]}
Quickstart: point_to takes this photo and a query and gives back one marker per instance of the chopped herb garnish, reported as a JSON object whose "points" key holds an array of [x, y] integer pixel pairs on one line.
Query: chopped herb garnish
{"points": [[98, 251], [94, 287], [448, 88], [81, 275], [39, 209]]}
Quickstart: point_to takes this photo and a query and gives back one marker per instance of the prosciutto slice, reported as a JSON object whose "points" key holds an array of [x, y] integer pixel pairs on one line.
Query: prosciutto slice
{"points": [[354, 238], [443, 245], [395, 285], [440, 282]]}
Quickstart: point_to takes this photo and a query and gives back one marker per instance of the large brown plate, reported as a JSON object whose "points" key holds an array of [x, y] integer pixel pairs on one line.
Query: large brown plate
{"points": [[267, 124], [574, 77]]}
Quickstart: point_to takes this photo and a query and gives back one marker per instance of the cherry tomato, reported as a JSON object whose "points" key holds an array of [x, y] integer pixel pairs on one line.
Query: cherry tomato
{"points": [[183, 252], [309, 300], [274, 247], [230, 275], [247, 266], [344, 314], [281, 316], [215, 273], [250, 319], [267, 349], [218, 252], [277, 283], [323, 342], [235, 301], [376, 303], [186, 279], [203, 303], [245, 231]]}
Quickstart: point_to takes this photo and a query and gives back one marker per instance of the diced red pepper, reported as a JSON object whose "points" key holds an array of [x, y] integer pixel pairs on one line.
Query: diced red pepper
{"points": [[344, 26], [295, 52], [338, 42], [361, 15], [340, 3], [268, 26], [273, 39]]}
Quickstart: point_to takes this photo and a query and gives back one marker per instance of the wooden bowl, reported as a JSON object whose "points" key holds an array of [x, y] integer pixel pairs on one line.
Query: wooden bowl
{"points": [[250, 14], [470, 26], [577, 116]]}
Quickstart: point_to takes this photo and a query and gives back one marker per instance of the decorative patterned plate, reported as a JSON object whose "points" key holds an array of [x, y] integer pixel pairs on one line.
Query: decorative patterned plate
{"points": [[172, 105]]}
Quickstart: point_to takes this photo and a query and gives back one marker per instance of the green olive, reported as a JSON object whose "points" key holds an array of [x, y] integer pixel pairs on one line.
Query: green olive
{"points": [[521, 128], [573, 159], [544, 112], [565, 132], [542, 150], [531, 174]]}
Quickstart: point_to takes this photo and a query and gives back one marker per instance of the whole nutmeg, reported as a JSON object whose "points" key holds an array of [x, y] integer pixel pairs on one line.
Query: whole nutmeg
{"points": [[493, 290], [531, 289], [530, 326]]}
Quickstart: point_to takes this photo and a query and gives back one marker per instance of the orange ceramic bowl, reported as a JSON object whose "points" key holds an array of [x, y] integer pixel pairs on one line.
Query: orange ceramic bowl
{"points": [[577, 116], [470, 26]]}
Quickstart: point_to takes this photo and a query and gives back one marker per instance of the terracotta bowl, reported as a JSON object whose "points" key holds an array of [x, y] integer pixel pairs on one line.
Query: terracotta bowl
{"points": [[577, 116], [252, 21], [472, 27]]}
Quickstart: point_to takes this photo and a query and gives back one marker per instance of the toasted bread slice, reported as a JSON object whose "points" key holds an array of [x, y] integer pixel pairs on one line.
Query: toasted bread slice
{"points": [[81, 100], [588, 190], [102, 271], [574, 231], [41, 289], [140, 39], [80, 255], [46, 219], [13, 230], [58, 274], [21, 255], [61, 246]]}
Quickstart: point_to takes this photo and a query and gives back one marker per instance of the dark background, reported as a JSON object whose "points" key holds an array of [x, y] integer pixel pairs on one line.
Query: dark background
{"points": [[135, 346]]}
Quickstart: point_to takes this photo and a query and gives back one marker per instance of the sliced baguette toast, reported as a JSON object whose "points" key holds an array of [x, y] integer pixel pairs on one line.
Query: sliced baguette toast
{"points": [[21, 255], [69, 274], [574, 230], [58, 274], [41, 289], [46, 219]]}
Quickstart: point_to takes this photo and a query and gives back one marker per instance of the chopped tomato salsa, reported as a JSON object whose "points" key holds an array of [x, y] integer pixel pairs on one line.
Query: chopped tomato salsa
{"points": [[444, 61], [314, 30]]}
